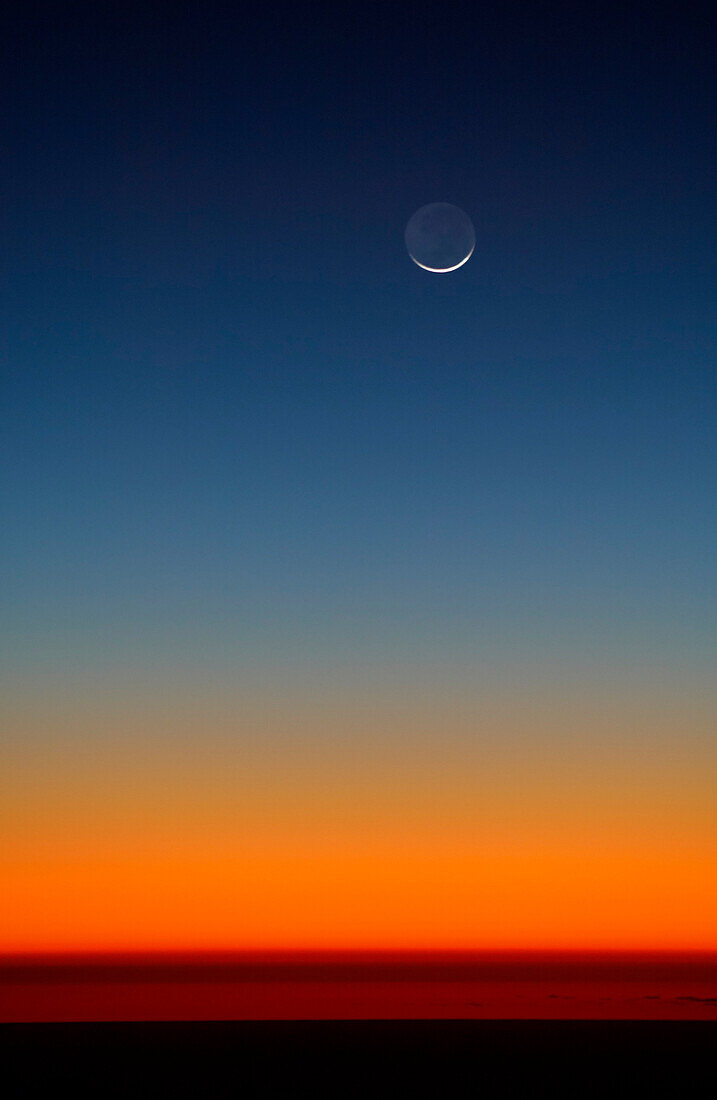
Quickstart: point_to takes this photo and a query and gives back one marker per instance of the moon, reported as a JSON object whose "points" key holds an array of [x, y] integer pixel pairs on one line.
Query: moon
{"points": [[440, 237]]}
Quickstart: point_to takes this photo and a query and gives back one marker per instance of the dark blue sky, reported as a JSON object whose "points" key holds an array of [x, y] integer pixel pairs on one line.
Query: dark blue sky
{"points": [[240, 426]]}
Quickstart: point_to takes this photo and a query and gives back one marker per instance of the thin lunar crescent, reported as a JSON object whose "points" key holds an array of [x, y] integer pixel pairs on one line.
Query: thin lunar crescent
{"points": [[444, 270], [440, 238]]}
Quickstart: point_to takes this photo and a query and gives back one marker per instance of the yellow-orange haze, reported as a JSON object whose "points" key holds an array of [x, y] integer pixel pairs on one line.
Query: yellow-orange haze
{"points": [[211, 820]]}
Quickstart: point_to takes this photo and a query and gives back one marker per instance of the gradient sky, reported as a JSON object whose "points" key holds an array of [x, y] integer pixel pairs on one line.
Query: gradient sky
{"points": [[344, 604]]}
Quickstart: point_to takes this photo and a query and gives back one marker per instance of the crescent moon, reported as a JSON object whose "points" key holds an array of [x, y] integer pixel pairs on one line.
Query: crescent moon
{"points": [[440, 238], [444, 270]]}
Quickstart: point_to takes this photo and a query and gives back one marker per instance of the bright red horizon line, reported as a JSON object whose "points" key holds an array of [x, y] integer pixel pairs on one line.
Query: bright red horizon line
{"points": [[220, 955], [355, 984]]}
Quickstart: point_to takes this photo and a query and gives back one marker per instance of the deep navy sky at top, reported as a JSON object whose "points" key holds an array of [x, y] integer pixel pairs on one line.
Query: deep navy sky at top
{"points": [[238, 420]]}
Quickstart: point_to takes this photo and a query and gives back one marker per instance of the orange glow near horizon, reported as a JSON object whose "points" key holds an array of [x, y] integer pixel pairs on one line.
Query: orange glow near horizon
{"points": [[349, 825], [369, 900]]}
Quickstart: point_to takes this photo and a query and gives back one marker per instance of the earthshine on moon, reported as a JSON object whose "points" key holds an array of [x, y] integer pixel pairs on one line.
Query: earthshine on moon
{"points": [[440, 237]]}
